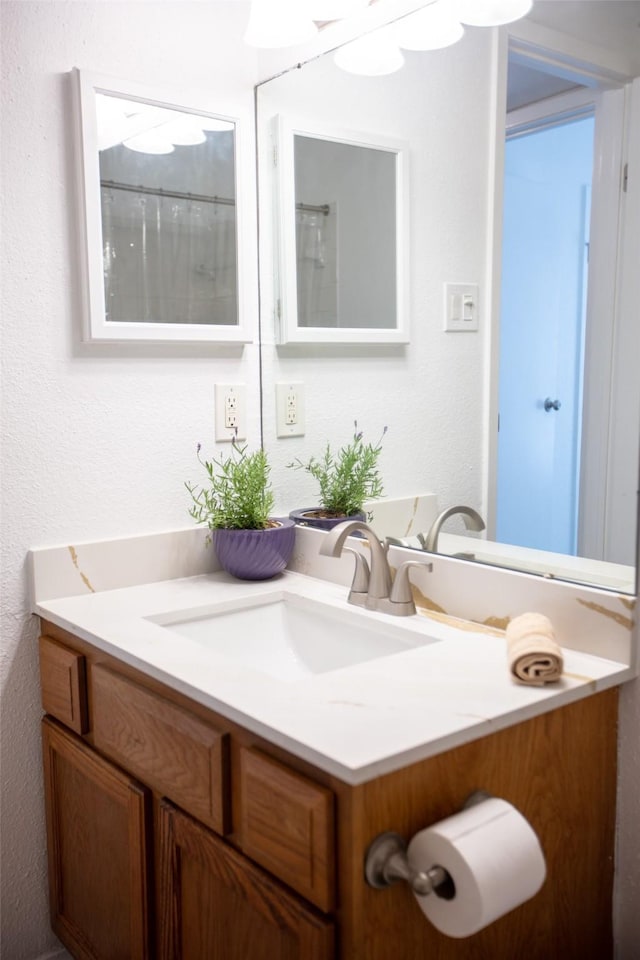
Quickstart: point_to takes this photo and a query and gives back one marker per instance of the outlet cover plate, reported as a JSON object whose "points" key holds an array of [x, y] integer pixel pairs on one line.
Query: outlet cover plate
{"points": [[289, 409], [230, 411]]}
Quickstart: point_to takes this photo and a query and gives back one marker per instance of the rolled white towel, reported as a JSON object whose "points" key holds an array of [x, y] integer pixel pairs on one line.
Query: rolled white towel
{"points": [[534, 656]]}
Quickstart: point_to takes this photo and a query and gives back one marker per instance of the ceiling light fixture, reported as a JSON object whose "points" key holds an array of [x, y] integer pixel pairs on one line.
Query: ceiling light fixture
{"points": [[489, 13], [374, 55], [279, 23], [285, 23], [431, 28], [335, 9]]}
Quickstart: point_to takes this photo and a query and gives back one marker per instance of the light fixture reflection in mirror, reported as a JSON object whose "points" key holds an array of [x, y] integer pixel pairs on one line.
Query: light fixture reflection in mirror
{"points": [[162, 224]]}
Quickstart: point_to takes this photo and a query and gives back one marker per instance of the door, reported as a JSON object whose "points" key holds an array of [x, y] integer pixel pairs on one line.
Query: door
{"points": [[215, 903], [543, 303], [96, 831]]}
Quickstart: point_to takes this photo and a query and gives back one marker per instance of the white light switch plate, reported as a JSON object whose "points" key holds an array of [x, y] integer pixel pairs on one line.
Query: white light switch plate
{"points": [[461, 307]]}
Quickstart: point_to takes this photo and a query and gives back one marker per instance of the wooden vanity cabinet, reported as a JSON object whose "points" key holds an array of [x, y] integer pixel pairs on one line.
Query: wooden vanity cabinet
{"points": [[176, 834]]}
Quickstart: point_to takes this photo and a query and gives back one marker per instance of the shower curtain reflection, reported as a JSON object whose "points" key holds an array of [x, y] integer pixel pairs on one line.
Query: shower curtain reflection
{"points": [[316, 265], [168, 258]]}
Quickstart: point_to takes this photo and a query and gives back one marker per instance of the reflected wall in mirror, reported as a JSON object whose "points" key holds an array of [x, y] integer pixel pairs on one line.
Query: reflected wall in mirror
{"points": [[439, 396], [162, 218], [341, 225]]}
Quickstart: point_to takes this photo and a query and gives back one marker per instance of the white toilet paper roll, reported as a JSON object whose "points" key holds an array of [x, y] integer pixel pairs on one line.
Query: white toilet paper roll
{"points": [[495, 861]]}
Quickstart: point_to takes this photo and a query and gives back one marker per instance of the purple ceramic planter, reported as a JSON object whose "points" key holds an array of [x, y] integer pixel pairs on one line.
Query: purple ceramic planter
{"points": [[322, 523], [255, 554]]}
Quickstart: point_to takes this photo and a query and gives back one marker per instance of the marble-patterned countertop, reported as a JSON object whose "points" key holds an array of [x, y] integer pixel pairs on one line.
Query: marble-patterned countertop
{"points": [[356, 722]]}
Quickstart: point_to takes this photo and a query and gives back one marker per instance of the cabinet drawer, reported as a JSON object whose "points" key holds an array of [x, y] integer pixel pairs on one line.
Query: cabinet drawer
{"points": [[63, 684], [169, 748], [287, 825]]}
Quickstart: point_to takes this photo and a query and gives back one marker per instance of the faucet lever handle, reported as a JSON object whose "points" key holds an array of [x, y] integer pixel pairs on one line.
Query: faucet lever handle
{"points": [[401, 589], [361, 573]]}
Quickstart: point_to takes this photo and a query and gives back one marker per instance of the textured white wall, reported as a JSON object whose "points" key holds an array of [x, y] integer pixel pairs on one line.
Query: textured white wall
{"points": [[96, 443]]}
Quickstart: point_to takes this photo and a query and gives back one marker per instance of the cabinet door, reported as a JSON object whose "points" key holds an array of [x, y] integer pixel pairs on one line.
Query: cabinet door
{"points": [[96, 830], [215, 903]]}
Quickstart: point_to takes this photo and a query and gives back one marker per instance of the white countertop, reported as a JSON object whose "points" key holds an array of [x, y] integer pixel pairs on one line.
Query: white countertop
{"points": [[357, 722]]}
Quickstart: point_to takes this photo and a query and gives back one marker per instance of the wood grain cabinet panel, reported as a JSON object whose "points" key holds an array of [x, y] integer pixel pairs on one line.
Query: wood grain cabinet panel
{"points": [[287, 825], [97, 820], [217, 905], [63, 684], [169, 748]]}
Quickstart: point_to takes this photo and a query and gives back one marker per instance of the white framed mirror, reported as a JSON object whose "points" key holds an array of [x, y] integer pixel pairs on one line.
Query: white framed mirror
{"points": [[164, 236], [341, 234]]}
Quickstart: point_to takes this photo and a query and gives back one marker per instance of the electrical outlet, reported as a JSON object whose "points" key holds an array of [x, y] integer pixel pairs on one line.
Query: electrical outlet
{"points": [[290, 409], [230, 416]]}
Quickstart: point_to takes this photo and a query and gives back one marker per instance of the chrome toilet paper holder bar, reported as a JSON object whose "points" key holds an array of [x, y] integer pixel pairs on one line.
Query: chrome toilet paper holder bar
{"points": [[386, 862]]}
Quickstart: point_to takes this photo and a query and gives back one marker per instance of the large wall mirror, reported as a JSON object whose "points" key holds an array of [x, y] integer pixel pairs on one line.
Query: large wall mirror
{"points": [[163, 217], [467, 114]]}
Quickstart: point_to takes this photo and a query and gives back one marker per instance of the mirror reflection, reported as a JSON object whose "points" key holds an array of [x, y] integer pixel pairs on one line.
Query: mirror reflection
{"points": [[167, 182], [441, 396], [340, 227]]}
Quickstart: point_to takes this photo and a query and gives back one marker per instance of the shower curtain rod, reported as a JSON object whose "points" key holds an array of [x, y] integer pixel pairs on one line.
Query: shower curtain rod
{"points": [[314, 208], [173, 194]]}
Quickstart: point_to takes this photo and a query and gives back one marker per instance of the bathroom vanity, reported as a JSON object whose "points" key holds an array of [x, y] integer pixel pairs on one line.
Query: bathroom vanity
{"points": [[200, 807]]}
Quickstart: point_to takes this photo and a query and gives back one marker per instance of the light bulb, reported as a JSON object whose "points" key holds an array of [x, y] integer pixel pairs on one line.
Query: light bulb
{"points": [[431, 28], [335, 9], [279, 23], [373, 55], [490, 13]]}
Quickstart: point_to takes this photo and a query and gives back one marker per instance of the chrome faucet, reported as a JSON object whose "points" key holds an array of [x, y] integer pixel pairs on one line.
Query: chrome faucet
{"points": [[372, 585], [472, 521]]}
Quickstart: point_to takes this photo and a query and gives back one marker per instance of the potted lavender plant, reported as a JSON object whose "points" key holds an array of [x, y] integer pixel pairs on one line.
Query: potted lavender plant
{"points": [[236, 503]]}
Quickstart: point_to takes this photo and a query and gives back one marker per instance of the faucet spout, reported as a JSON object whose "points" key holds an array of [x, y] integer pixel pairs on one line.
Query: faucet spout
{"points": [[472, 521]]}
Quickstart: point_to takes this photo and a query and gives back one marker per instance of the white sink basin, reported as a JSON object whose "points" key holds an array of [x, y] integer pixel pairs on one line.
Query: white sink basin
{"points": [[292, 637]]}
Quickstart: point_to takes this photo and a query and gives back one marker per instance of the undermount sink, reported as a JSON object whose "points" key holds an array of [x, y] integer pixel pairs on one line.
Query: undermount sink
{"points": [[291, 637]]}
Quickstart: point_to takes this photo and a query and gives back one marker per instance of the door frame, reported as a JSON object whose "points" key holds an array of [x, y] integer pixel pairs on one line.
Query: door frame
{"points": [[605, 85]]}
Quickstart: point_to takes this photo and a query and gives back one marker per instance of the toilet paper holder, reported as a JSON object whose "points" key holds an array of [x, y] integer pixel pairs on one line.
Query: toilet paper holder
{"points": [[386, 862]]}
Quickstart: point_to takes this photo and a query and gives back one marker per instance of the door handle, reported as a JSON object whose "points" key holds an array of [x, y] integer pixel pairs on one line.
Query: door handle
{"points": [[550, 404]]}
